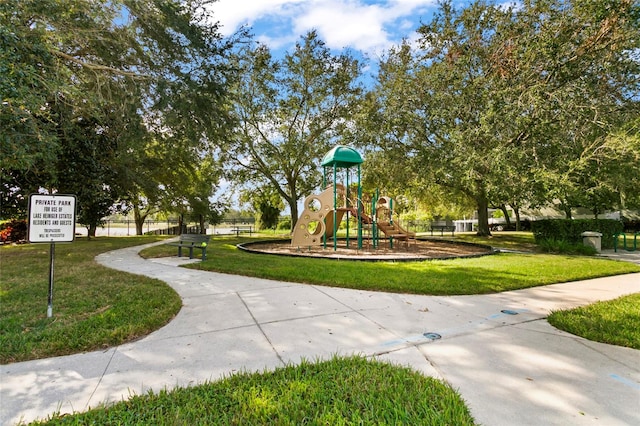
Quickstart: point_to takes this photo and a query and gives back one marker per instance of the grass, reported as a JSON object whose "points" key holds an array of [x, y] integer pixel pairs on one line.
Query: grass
{"points": [[518, 241], [616, 322], [93, 306], [341, 391], [489, 274]]}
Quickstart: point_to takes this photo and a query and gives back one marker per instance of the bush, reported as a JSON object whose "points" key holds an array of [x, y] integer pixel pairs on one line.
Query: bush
{"points": [[284, 224], [570, 230], [553, 245], [13, 231]]}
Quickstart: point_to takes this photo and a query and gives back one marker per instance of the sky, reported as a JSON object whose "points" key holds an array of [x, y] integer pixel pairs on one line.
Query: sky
{"points": [[368, 26]]}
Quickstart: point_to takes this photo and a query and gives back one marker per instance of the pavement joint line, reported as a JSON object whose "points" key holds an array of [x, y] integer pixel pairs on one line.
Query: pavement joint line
{"points": [[588, 344], [201, 333], [273, 348], [106, 368], [360, 312], [328, 314], [418, 340]]}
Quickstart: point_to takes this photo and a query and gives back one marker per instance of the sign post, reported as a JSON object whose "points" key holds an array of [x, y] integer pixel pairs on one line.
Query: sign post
{"points": [[52, 219]]}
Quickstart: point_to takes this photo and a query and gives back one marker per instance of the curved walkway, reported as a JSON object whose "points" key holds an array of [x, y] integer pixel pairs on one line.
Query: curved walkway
{"points": [[508, 363]]}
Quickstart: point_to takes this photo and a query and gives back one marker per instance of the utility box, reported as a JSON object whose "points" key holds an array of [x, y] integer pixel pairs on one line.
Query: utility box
{"points": [[592, 239]]}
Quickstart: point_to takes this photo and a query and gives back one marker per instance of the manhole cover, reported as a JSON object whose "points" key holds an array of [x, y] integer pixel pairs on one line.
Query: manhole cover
{"points": [[432, 336]]}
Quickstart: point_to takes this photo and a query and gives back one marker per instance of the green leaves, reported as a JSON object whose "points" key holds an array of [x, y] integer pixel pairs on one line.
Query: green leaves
{"points": [[515, 105], [138, 71], [290, 113]]}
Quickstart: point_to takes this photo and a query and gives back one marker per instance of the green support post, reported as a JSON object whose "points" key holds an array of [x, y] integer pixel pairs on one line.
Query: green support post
{"points": [[335, 214], [359, 197]]}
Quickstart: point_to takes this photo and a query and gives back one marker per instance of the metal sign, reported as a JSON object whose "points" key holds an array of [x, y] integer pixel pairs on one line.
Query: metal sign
{"points": [[52, 218]]}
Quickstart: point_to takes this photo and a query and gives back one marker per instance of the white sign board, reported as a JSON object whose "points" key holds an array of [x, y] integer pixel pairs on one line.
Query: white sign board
{"points": [[52, 218]]}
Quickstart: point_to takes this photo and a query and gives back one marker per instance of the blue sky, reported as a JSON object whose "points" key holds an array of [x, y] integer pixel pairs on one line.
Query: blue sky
{"points": [[368, 26]]}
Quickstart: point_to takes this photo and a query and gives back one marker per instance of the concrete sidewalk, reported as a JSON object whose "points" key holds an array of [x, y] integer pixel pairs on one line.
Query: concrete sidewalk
{"points": [[508, 363]]}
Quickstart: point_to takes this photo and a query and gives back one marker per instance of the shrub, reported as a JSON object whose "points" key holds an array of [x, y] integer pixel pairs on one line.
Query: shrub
{"points": [[553, 245], [284, 224], [13, 231], [570, 230]]}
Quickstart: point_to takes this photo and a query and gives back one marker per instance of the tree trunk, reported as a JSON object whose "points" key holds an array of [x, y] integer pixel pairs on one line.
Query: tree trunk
{"points": [[91, 231], [139, 218], [516, 211], [181, 227], [567, 210], [203, 230], [483, 216], [293, 206], [482, 202], [505, 212]]}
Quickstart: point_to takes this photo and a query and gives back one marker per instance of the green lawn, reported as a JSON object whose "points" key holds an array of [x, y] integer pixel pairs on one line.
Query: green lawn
{"points": [[93, 309], [488, 274], [616, 322], [93, 306], [519, 241], [341, 391]]}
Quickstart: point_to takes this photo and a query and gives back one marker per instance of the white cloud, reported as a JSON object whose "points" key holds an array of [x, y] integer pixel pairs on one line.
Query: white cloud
{"points": [[367, 25], [234, 13], [343, 23]]}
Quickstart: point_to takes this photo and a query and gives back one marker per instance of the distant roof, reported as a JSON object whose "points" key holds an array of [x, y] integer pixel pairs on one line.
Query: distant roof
{"points": [[342, 156]]}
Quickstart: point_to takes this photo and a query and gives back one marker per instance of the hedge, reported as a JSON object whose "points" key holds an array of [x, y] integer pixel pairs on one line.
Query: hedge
{"points": [[570, 230]]}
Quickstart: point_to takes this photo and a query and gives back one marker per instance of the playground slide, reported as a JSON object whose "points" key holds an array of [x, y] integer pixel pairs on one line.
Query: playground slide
{"points": [[404, 231], [366, 219], [396, 231], [328, 222]]}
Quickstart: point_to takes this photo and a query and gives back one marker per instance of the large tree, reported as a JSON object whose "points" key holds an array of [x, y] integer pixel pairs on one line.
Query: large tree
{"points": [[493, 92], [145, 72], [583, 80], [290, 112], [442, 105]]}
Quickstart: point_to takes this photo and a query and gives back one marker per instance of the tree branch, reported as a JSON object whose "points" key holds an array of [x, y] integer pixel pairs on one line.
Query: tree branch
{"points": [[97, 67]]}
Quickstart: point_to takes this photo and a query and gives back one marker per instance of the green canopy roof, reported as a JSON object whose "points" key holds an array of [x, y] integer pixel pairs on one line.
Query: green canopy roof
{"points": [[342, 156]]}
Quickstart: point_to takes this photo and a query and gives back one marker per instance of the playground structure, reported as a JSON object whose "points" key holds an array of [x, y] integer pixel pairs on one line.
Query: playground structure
{"points": [[323, 213]]}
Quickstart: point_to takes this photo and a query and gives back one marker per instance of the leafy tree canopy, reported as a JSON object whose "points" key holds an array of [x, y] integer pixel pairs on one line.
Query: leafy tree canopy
{"points": [[290, 113], [493, 94], [143, 72]]}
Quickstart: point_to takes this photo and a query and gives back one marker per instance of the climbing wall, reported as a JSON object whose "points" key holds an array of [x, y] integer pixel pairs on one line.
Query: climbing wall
{"points": [[316, 218]]}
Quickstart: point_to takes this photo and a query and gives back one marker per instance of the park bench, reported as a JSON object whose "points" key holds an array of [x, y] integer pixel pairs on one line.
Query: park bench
{"points": [[443, 229], [192, 241], [242, 228]]}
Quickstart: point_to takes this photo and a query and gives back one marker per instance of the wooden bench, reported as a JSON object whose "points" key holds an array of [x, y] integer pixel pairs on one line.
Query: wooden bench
{"points": [[443, 229], [192, 241]]}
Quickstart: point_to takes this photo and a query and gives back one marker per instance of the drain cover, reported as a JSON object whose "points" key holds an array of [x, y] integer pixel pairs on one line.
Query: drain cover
{"points": [[509, 312], [432, 336]]}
